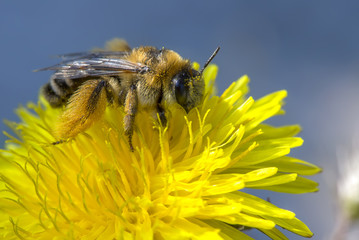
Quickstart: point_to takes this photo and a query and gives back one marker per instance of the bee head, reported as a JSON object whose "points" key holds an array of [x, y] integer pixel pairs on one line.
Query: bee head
{"points": [[188, 88], [188, 85]]}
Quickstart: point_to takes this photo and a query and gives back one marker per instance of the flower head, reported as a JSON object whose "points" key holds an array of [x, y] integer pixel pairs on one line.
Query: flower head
{"points": [[183, 181]]}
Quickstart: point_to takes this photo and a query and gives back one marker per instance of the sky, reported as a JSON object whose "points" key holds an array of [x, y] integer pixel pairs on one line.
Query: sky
{"points": [[309, 48]]}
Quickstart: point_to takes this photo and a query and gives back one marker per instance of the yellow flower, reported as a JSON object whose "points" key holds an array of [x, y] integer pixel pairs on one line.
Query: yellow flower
{"points": [[183, 181]]}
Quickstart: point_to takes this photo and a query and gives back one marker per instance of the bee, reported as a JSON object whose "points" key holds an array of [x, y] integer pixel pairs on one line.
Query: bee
{"points": [[142, 78]]}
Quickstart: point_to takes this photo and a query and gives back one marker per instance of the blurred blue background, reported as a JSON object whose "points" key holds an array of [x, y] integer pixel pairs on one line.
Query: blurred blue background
{"points": [[310, 48]]}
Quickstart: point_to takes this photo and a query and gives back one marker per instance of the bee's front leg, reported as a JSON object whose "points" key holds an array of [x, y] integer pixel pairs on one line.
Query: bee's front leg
{"points": [[131, 103], [162, 115], [161, 112]]}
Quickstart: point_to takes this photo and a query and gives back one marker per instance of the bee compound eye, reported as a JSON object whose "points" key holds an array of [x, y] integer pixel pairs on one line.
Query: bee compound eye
{"points": [[181, 88]]}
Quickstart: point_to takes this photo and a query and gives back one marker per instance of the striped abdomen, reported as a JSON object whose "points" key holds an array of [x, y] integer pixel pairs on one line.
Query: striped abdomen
{"points": [[58, 91]]}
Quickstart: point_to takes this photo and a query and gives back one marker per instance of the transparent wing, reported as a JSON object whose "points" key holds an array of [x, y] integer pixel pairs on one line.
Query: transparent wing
{"points": [[93, 65], [95, 54]]}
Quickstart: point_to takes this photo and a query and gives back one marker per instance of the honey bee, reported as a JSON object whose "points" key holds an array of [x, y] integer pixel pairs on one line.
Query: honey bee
{"points": [[143, 78]]}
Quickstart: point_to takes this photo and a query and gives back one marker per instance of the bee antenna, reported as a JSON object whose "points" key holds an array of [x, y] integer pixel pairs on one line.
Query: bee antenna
{"points": [[209, 60]]}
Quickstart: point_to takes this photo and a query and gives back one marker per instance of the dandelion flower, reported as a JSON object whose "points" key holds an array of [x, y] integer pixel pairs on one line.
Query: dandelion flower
{"points": [[183, 181]]}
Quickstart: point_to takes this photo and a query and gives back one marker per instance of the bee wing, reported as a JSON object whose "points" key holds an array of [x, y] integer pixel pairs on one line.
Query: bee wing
{"points": [[94, 65], [96, 54]]}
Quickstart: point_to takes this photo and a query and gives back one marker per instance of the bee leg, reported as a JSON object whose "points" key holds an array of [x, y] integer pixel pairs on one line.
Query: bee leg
{"points": [[130, 110], [161, 113], [85, 107], [95, 97]]}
